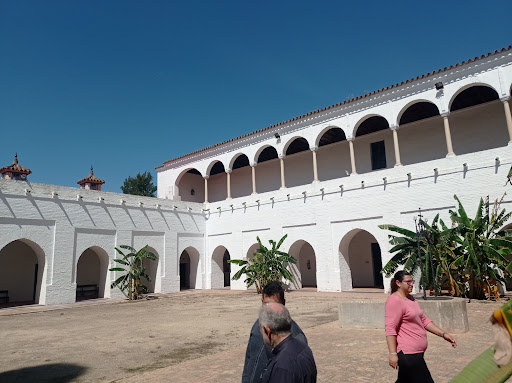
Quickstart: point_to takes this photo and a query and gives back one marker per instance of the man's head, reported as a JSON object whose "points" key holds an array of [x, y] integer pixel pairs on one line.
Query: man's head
{"points": [[273, 292], [275, 323]]}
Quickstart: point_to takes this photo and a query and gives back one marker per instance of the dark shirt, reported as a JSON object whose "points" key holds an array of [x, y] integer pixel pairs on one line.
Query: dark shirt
{"points": [[258, 355], [293, 362]]}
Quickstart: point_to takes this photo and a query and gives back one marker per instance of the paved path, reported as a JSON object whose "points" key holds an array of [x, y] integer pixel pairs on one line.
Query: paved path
{"points": [[342, 355], [173, 335]]}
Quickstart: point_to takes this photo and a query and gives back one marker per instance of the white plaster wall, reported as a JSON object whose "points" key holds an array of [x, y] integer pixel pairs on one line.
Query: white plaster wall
{"points": [[333, 161], [61, 226], [268, 176], [217, 187], [241, 181], [298, 169], [479, 128], [422, 141]]}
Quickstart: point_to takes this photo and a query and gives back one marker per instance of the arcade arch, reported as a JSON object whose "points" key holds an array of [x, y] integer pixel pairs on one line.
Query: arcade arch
{"points": [[421, 133], [333, 154], [221, 269], [299, 164], [241, 176], [22, 264], [360, 251], [151, 267], [189, 268], [268, 169], [190, 186], [373, 146], [477, 120], [217, 182], [304, 271], [91, 274]]}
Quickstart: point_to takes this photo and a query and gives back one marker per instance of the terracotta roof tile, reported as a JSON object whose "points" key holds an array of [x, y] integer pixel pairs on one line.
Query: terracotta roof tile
{"points": [[91, 179], [343, 103], [15, 167]]}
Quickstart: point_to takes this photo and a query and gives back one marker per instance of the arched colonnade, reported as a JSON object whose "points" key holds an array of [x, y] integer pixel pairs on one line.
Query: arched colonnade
{"points": [[477, 119]]}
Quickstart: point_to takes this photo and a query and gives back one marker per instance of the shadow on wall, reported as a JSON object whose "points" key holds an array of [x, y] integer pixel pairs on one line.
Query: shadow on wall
{"points": [[55, 373]]}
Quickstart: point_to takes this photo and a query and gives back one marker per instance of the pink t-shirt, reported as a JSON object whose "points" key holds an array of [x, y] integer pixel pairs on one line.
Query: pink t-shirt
{"points": [[405, 319]]}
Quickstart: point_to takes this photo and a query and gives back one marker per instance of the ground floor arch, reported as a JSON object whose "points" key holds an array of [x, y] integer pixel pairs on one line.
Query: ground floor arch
{"points": [[91, 274], [221, 268], [22, 264], [250, 255], [361, 252], [304, 271], [151, 269], [189, 268]]}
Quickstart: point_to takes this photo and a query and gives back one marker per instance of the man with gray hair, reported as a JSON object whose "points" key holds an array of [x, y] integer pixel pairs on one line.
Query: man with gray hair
{"points": [[293, 360]]}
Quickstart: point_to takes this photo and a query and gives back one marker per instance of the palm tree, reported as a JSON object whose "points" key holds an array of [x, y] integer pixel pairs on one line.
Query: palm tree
{"points": [[134, 271], [267, 265]]}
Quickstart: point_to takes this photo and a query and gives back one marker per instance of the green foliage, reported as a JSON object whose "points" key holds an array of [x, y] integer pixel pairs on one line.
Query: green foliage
{"points": [[133, 271], [469, 256], [141, 184], [267, 265], [482, 246]]}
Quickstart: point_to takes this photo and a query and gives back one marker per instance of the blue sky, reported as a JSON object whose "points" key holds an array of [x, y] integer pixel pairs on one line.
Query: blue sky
{"points": [[126, 85]]}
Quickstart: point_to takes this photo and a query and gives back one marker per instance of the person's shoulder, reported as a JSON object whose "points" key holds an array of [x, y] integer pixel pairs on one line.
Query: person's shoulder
{"points": [[392, 298]]}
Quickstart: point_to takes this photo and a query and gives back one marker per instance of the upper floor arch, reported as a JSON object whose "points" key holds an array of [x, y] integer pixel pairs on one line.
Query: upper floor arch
{"points": [[238, 161], [471, 95], [265, 153], [215, 167], [416, 110], [296, 144], [329, 135], [370, 123]]}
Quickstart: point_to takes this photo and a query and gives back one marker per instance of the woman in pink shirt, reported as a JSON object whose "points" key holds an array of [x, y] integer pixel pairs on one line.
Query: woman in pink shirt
{"points": [[405, 331]]}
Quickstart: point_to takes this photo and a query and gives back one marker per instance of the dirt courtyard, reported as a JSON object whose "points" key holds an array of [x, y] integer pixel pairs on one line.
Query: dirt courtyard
{"points": [[200, 336]]}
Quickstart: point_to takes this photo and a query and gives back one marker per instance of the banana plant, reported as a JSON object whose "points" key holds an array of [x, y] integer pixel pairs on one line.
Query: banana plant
{"points": [[133, 271], [484, 246], [267, 265]]}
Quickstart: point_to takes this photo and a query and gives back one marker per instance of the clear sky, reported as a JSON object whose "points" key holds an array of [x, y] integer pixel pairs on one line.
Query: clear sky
{"points": [[126, 85]]}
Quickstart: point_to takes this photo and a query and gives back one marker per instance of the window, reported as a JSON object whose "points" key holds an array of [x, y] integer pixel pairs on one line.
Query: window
{"points": [[378, 152]]}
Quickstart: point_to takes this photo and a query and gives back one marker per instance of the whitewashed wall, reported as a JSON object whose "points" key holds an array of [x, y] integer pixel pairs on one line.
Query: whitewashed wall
{"points": [[60, 227]]}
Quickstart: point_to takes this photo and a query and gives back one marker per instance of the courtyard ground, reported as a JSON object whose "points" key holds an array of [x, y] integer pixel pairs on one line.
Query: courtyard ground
{"points": [[201, 336]]}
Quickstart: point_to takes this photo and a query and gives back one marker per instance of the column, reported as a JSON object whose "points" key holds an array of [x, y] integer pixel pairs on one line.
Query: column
{"points": [[315, 166], [206, 188], [352, 156], [395, 144], [448, 135], [228, 178], [281, 162], [508, 117], [253, 171]]}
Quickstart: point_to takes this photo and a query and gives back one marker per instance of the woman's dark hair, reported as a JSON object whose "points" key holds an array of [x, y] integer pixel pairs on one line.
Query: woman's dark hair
{"points": [[399, 276]]}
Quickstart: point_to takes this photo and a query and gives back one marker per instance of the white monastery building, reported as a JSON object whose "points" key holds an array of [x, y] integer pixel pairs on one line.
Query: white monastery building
{"points": [[327, 179]]}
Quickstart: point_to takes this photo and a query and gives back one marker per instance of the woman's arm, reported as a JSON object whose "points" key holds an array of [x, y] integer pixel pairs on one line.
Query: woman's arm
{"points": [[431, 327], [393, 357]]}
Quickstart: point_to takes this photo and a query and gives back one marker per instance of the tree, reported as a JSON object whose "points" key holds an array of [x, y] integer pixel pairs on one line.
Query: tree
{"points": [[134, 271], [141, 184], [470, 255], [266, 266], [483, 246], [431, 252]]}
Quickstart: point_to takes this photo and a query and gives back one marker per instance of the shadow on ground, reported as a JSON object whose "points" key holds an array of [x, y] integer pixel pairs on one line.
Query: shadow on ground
{"points": [[55, 373]]}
